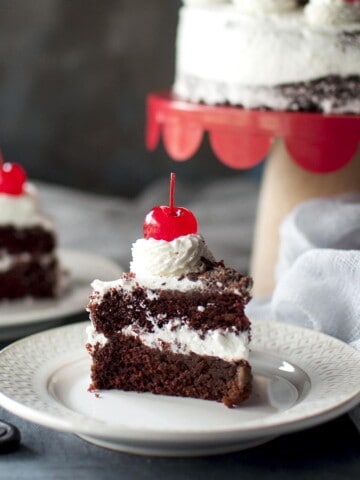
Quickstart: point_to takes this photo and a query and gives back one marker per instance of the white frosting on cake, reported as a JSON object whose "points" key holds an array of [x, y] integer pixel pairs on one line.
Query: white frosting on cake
{"points": [[332, 12], [23, 210], [7, 261], [225, 344], [150, 283], [258, 7], [182, 255], [224, 45], [224, 55], [93, 337]]}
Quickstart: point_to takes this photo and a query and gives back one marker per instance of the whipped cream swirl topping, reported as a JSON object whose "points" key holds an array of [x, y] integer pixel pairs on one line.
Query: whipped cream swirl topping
{"points": [[182, 255], [23, 210], [259, 7], [332, 12]]}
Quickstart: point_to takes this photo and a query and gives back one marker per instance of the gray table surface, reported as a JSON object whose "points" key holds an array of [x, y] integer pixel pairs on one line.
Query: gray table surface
{"points": [[226, 212]]}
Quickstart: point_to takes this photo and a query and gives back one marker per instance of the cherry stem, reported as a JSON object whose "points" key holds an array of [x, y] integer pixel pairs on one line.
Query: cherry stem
{"points": [[172, 192]]}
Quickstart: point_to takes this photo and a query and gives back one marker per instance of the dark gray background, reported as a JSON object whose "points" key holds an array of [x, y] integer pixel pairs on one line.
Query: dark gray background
{"points": [[74, 75]]}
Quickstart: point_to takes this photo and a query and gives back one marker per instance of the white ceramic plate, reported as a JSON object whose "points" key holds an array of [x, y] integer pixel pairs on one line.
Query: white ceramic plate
{"points": [[22, 317], [301, 378]]}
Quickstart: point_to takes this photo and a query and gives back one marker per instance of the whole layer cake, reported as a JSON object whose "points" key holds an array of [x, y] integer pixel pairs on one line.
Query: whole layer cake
{"points": [[28, 262], [174, 325], [273, 54]]}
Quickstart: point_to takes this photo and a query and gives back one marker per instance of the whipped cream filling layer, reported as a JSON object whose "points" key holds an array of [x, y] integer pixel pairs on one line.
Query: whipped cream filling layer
{"points": [[258, 7], [7, 261], [93, 337], [129, 283], [223, 45], [179, 338], [23, 210]]}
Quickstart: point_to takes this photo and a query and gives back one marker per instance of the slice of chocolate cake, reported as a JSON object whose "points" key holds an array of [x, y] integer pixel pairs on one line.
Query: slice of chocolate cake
{"points": [[175, 324], [28, 261]]}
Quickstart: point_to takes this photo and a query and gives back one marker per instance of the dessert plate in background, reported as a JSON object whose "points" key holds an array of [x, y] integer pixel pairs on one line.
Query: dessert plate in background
{"points": [[301, 378], [22, 317]]}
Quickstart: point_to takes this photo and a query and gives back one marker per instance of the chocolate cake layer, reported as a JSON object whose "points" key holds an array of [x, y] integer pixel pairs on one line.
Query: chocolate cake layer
{"points": [[217, 275], [323, 95], [201, 310], [125, 363], [31, 279], [310, 96], [217, 302], [33, 240]]}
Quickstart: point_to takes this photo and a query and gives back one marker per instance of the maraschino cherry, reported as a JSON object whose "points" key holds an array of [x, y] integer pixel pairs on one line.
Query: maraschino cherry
{"points": [[12, 178], [169, 222]]}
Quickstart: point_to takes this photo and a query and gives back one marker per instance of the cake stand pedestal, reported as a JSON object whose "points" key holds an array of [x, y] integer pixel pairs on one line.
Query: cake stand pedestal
{"points": [[285, 185], [308, 155]]}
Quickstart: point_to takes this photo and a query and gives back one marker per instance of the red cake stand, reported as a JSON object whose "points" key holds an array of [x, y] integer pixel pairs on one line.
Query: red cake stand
{"points": [[308, 155]]}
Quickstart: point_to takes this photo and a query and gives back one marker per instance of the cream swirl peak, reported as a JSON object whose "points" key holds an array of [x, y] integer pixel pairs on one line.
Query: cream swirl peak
{"points": [[332, 12], [23, 209], [151, 257], [258, 7]]}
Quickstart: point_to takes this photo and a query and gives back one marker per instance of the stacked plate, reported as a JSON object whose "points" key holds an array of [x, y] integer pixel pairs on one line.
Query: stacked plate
{"points": [[22, 317]]}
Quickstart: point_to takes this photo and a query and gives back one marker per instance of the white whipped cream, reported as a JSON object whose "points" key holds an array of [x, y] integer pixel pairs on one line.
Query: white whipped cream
{"points": [[224, 344], [8, 261], [162, 258], [93, 337], [100, 288], [159, 264], [259, 7], [332, 12], [23, 210], [227, 49]]}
